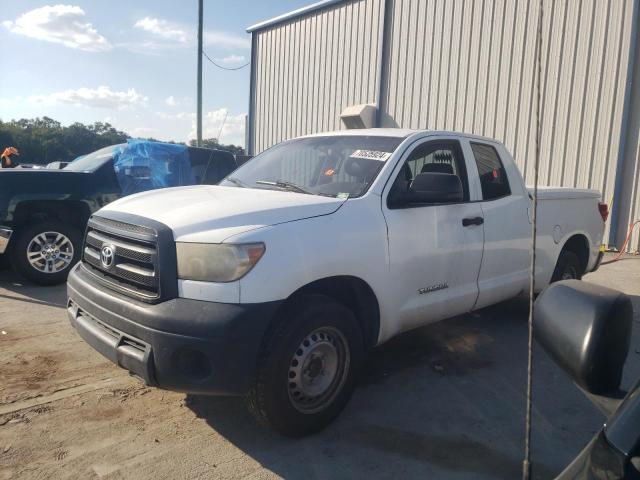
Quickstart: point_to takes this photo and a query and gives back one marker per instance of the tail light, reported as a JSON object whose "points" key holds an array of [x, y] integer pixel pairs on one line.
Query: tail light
{"points": [[603, 208]]}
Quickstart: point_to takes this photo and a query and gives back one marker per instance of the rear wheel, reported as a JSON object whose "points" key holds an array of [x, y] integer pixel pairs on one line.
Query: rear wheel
{"points": [[568, 267], [45, 252], [308, 366]]}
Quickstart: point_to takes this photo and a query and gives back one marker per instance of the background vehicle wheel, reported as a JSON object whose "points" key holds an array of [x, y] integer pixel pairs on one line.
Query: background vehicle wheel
{"points": [[45, 252], [308, 366], [568, 267]]}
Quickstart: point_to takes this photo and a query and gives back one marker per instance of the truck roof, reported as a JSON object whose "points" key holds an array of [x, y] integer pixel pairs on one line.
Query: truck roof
{"points": [[399, 133]]}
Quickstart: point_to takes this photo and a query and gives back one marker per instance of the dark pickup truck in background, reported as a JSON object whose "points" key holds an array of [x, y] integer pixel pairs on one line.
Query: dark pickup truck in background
{"points": [[44, 212]]}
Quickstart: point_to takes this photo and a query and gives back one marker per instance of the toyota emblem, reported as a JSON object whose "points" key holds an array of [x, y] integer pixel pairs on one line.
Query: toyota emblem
{"points": [[107, 256]]}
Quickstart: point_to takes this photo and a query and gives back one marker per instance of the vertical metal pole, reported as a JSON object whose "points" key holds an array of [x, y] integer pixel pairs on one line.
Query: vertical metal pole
{"points": [[250, 128], [199, 114], [616, 237], [382, 68]]}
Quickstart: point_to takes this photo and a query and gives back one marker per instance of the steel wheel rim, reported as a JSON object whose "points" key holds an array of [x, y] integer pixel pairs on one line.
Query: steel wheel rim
{"points": [[318, 370], [570, 274], [50, 252]]}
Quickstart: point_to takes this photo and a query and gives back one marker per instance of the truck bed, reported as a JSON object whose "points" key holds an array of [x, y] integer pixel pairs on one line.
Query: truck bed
{"points": [[556, 193]]}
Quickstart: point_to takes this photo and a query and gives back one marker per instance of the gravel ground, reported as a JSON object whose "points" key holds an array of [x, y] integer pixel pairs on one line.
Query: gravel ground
{"points": [[444, 401]]}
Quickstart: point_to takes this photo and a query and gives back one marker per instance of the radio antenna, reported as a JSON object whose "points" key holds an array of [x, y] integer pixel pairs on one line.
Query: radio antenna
{"points": [[526, 464]]}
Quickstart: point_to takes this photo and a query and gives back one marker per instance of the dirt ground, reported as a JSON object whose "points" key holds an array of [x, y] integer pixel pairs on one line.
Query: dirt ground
{"points": [[445, 401]]}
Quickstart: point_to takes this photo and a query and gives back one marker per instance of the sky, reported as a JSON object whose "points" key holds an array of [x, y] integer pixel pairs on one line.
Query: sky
{"points": [[130, 63]]}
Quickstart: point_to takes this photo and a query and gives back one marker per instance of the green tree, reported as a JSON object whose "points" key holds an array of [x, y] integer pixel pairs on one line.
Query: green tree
{"points": [[44, 140], [213, 143]]}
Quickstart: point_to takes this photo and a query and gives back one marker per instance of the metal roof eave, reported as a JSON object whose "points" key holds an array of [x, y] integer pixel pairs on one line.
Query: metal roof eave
{"points": [[293, 14]]}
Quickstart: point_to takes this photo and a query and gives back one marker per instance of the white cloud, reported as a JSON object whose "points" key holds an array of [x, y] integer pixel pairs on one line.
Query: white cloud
{"points": [[225, 40], [232, 59], [175, 116], [172, 35], [64, 24], [143, 131], [232, 127], [163, 28], [101, 97], [172, 101]]}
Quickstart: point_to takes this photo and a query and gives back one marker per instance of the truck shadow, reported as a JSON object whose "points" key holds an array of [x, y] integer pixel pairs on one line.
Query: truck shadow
{"points": [[15, 288], [446, 399]]}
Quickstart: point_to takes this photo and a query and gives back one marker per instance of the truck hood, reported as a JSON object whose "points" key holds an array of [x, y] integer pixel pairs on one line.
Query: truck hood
{"points": [[211, 214]]}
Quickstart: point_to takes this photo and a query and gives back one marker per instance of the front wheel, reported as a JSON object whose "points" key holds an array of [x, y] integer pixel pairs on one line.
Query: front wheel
{"points": [[45, 252], [308, 366]]}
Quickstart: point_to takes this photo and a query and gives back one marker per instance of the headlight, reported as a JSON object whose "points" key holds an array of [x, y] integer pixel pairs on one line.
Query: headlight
{"points": [[216, 262]]}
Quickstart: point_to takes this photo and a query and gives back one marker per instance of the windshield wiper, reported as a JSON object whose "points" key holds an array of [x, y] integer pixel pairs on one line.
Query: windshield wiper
{"points": [[235, 181], [286, 186]]}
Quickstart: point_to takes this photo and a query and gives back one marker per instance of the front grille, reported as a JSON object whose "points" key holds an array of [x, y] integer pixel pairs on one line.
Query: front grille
{"points": [[133, 267], [125, 227]]}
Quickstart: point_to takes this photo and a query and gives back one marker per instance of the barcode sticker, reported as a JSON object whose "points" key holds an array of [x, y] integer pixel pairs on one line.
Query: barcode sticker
{"points": [[371, 155]]}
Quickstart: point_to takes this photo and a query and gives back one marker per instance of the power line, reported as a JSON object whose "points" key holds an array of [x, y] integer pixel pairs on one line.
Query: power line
{"points": [[222, 67]]}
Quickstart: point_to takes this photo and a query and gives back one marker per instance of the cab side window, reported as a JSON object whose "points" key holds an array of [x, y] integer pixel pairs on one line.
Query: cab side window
{"points": [[493, 177], [433, 157]]}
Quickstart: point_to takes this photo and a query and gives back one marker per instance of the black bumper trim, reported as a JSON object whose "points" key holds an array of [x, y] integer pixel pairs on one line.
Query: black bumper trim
{"points": [[182, 344], [598, 261], [113, 344]]}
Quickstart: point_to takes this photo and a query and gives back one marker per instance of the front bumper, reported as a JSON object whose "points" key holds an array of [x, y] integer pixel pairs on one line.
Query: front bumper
{"points": [[5, 236], [182, 345]]}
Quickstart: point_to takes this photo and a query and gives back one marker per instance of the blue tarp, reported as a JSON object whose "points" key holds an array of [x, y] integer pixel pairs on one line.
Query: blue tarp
{"points": [[142, 165]]}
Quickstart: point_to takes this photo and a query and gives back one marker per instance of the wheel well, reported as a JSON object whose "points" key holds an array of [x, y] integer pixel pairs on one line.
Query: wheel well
{"points": [[355, 294], [73, 213], [579, 245]]}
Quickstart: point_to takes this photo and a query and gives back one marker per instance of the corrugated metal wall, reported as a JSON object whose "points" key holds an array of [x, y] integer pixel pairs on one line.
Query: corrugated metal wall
{"points": [[468, 65], [630, 181], [634, 213], [307, 70], [465, 65]]}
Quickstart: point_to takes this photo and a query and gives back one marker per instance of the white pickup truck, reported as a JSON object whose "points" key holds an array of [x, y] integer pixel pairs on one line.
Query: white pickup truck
{"points": [[275, 283]]}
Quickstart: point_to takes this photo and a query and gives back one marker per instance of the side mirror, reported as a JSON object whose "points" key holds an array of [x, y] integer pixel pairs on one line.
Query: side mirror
{"points": [[586, 329], [430, 188]]}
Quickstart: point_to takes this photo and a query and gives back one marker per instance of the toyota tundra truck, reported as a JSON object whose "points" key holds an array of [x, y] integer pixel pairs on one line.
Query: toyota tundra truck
{"points": [[274, 284]]}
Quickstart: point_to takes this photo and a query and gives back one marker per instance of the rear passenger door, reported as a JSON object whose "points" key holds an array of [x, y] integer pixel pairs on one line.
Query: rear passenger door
{"points": [[507, 231]]}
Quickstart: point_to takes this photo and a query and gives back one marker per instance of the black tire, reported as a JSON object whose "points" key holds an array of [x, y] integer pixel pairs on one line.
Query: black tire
{"points": [[568, 267], [19, 255], [271, 399]]}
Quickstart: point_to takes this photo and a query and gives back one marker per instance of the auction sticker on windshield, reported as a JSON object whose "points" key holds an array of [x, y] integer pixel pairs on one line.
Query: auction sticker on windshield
{"points": [[371, 155]]}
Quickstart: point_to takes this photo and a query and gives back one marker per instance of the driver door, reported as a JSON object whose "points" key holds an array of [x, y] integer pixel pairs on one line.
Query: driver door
{"points": [[434, 258]]}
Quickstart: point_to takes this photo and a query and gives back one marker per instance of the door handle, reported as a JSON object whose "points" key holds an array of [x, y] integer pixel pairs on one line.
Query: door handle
{"points": [[467, 222]]}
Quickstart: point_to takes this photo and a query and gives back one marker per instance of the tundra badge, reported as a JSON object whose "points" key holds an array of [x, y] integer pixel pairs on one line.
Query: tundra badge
{"points": [[433, 288]]}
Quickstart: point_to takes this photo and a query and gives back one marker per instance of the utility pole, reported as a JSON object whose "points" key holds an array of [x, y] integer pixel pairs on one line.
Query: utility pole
{"points": [[199, 114]]}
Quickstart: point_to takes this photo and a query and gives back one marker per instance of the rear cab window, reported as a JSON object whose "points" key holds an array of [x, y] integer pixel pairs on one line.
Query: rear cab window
{"points": [[493, 176]]}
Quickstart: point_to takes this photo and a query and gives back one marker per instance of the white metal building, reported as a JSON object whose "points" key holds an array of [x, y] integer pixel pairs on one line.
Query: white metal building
{"points": [[466, 65]]}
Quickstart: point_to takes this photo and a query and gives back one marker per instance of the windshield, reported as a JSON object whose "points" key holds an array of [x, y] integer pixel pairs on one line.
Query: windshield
{"points": [[336, 166], [92, 161]]}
